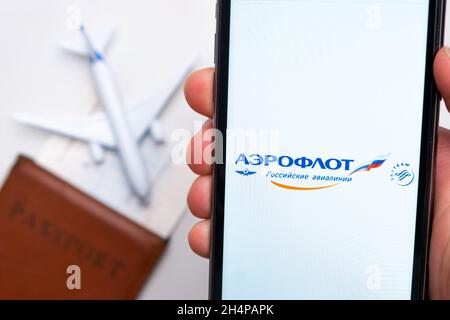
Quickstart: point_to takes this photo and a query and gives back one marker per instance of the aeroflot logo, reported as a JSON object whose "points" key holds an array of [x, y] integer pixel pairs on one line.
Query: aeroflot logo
{"points": [[304, 173]]}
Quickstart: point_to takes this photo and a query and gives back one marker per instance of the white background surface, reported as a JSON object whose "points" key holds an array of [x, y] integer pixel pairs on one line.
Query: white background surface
{"points": [[37, 77]]}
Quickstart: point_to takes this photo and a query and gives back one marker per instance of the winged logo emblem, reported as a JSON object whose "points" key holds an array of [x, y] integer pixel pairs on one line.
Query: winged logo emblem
{"points": [[245, 172]]}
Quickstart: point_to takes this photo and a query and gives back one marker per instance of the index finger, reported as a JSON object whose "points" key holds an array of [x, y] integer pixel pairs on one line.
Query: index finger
{"points": [[198, 90]]}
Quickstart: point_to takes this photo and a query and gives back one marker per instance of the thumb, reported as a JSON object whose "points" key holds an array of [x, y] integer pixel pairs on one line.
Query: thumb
{"points": [[440, 240], [442, 74], [442, 78]]}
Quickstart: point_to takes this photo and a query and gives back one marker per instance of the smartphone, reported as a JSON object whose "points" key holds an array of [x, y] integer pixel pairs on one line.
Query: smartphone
{"points": [[328, 115]]}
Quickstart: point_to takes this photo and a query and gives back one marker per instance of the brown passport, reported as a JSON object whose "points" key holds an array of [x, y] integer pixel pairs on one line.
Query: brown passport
{"points": [[58, 243]]}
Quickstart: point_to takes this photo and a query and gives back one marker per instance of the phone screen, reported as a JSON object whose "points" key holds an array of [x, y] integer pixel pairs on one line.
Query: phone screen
{"points": [[323, 202]]}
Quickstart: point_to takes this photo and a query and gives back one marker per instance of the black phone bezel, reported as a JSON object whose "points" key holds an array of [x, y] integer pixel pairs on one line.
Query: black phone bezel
{"points": [[427, 157]]}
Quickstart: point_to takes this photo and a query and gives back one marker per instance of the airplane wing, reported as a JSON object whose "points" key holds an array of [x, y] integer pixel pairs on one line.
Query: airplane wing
{"points": [[92, 129], [96, 129], [143, 114]]}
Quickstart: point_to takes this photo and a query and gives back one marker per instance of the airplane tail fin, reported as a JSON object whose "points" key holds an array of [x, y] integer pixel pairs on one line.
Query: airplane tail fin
{"points": [[101, 40]]}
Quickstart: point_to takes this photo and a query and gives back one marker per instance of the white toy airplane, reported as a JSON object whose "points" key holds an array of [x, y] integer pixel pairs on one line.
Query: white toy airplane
{"points": [[117, 127]]}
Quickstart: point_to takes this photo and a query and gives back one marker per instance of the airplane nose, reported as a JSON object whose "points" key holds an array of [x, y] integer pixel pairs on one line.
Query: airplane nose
{"points": [[143, 196], [144, 201]]}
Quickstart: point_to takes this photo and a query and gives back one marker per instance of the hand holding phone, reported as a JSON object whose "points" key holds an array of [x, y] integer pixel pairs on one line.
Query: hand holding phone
{"points": [[440, 59]]}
